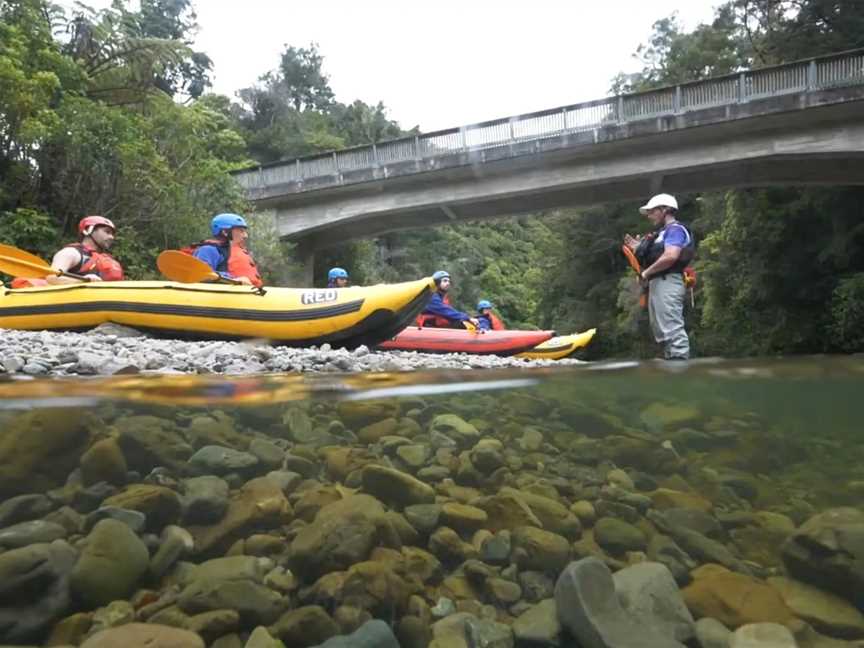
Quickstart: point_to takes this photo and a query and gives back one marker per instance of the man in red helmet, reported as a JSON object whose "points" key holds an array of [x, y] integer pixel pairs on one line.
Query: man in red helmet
{"points": [[89, 257]]}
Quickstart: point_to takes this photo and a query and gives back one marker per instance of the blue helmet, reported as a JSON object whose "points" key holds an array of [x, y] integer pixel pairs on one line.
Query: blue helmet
{"points": [[439, 275], [226, 221], [337, 273], [484, 303]]}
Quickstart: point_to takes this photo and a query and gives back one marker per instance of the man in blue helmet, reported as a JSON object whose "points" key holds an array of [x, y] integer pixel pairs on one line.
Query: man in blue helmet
{"points": [[489, 321], [337, 278], [438, 312], [226, 252]]}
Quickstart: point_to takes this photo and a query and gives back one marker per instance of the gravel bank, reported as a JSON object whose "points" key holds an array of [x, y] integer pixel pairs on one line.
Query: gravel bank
{"points": [[110, 350]]}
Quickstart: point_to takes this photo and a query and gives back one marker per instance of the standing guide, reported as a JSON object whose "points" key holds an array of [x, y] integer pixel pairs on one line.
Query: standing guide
{"points": [[664, 255]]}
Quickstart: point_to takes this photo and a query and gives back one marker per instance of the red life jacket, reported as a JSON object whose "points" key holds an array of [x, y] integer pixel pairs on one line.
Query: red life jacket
{"points": [[236, 261], [434, 321], [497, 324], [102, 264]]}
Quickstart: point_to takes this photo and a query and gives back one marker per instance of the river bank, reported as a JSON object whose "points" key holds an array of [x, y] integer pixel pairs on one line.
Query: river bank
{"points": [[111, 350]]}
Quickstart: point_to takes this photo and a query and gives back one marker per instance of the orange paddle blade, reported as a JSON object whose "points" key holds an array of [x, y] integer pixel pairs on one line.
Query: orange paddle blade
{"points": [[182, 267], [631, 259]]}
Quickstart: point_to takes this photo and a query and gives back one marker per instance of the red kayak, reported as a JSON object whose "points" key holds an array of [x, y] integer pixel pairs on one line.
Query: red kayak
{"points": [[443, 340]]}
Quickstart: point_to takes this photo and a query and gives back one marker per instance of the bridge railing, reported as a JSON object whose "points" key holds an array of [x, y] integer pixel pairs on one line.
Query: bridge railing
{"points": [[832, 71]]}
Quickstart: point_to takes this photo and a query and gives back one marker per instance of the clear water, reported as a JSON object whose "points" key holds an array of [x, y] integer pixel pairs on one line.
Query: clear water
{"points": [[783, 436]]}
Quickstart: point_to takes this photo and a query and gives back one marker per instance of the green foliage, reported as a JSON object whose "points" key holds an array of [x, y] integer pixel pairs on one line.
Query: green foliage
{"points": [[86, 128], [672, 56], [847, 313], [28, 229]]}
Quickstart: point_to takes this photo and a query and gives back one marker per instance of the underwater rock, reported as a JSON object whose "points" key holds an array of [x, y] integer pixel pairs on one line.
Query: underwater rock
{"points": [[144, 634], [588, 608], [538, 625], [541, 550], [826, 612], [396, 487], [648, 592], [39, 449], [22, 508], [161, 505], [112, 562], [28, 533], [618, 536], [450, 425], [205, 499], [259, 503], [762, 635], [148, 442], [34, 589], [734, 599], [220, 460], [304, 626], [342, 534], [828, 551], [104, 461]]}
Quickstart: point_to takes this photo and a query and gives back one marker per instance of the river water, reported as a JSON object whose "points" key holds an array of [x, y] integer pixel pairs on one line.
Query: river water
{"points": [[610, 460]]}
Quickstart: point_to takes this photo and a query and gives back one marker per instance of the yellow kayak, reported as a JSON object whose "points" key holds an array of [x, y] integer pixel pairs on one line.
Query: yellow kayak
{"points": [[559, 347], [293, 316]]}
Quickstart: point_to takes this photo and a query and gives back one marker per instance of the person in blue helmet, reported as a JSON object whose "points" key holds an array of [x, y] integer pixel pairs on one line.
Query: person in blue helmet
{"points": [[489, 321], [337, 278], [226, 251], [438, 312]]}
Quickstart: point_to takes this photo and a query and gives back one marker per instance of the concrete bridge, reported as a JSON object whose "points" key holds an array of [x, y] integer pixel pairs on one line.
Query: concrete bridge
{"points": [[799, 123]]}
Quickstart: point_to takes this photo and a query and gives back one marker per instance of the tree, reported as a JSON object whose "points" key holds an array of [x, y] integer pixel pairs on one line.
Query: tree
{"points": [[672, 56]]}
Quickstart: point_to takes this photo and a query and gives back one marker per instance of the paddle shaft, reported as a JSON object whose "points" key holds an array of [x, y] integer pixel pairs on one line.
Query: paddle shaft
{"points": [[47, 269]]}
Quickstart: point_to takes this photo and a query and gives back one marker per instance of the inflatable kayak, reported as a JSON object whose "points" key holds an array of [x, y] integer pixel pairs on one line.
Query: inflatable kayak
{"points": [[444, 340], [559, 347], [293, 316]]}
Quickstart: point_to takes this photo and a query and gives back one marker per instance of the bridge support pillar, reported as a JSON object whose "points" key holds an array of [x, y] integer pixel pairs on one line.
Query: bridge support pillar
{"points": [[304, 262]]}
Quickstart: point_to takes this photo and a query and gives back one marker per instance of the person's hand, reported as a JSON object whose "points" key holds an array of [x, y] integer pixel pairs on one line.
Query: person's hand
{"points": [[92, 277], [631, 242], [474, 321], [246, 281], [644, 278]]}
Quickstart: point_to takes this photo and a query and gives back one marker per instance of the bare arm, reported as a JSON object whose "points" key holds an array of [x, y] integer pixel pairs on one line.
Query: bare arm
{"points": [[64, 260]]}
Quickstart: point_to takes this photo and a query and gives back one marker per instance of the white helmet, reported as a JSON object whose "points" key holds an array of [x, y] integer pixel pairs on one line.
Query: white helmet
{"points": [[660, 200]]}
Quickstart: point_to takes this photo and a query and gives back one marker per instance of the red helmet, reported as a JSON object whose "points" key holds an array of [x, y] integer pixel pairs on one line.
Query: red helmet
{"points": [[89, 223]]}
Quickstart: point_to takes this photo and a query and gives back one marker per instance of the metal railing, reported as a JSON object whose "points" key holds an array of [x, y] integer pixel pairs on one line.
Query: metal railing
{"points": [[833, 71]]}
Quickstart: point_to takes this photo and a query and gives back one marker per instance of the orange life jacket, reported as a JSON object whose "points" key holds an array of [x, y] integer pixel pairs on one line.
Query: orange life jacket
{"points": [[102, 264], [236, 261], [497, 324], [434, 321]]}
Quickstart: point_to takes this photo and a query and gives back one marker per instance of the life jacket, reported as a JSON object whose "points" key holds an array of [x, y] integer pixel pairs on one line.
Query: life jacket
{"points": [[236, 261], [102, 264], [651, 248], [495, 323], [435, 321]]}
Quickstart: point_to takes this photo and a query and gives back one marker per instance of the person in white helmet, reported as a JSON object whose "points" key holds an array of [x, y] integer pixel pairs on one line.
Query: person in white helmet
{"points": [[663, 256]]}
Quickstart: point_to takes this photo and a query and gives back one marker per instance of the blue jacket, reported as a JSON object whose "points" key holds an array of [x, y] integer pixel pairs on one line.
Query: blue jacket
{"points": [[438, 308], [212, 256]]}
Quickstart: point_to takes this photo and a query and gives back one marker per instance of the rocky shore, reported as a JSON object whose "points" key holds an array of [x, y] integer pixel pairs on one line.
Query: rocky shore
{"points": [[110, 350], [475, 521]]}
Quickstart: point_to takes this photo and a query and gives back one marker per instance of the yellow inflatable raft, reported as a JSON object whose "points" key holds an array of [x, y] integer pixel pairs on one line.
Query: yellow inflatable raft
{"points": [[559, 347], [293, 316]]}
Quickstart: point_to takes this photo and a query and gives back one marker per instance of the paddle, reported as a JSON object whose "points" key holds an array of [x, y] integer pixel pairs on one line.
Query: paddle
{"points": [[18, 263], [182, 267], [637, 268]]}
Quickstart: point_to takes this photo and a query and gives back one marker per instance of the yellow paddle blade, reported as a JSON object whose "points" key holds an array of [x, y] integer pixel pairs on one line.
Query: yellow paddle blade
{"points": [[468, 325], [182, 267], [15, 266], [20, 255]]}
